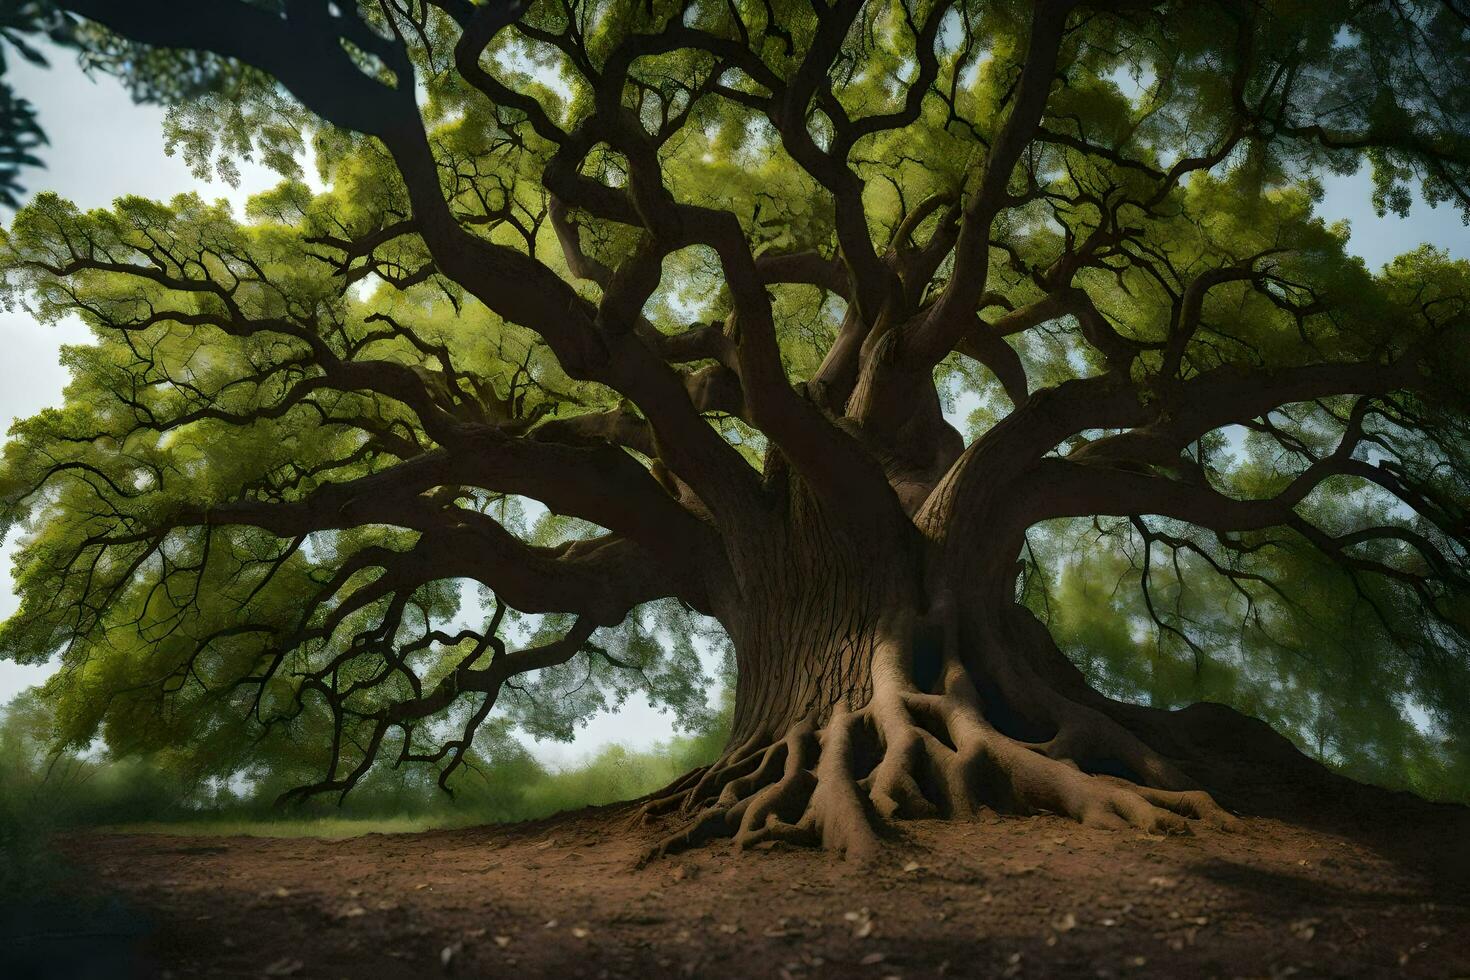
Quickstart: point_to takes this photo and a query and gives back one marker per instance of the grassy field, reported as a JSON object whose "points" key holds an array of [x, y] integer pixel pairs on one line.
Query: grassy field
{"points": [[329, 828], [42, 794]]}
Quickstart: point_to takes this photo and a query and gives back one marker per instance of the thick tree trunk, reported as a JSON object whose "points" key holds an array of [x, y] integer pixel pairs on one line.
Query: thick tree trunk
{"points": [[874, 683]]}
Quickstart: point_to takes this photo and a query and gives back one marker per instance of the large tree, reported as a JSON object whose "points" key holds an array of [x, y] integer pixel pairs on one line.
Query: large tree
{"points": [[700, 279]]}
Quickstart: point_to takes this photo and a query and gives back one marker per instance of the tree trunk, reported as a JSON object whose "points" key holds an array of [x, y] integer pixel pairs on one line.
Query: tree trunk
{"points": [[875, 682]]}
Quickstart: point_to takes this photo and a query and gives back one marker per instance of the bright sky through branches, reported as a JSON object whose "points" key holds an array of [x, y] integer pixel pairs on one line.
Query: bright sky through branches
{"points": [[81, 115]]}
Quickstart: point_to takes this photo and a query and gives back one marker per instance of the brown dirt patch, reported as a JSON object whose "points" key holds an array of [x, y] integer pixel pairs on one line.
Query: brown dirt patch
{"points": [[1002, 896]]}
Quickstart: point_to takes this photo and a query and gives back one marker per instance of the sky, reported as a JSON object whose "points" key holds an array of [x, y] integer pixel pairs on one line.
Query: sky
{"points": [[103, 146]]}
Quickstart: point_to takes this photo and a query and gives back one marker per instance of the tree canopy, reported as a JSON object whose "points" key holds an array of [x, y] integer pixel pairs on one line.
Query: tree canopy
{"points": [[487, 418]]}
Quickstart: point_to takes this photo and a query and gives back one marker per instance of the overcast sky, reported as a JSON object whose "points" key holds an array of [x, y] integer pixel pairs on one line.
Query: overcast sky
{"points": [[102, 146]]}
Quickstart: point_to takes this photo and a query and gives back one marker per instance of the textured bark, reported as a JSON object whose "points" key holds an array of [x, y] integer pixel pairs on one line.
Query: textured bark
{"points": [[815, 603], [878, 681], [867, 577]]}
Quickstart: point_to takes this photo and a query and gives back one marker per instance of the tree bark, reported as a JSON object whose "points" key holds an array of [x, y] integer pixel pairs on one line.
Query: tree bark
{"points": [[877, 681], [867, 578]]}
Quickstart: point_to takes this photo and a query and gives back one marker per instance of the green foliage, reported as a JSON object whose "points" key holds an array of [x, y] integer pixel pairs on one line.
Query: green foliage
{"points": [[192, 446], [1306, 656], [206, 547], [46, 791]]}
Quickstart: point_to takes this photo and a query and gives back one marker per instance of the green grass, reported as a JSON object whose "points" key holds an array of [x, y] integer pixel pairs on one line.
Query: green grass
{"points": [[42, 794], [39, 797], [613, 774], [328, 828]]}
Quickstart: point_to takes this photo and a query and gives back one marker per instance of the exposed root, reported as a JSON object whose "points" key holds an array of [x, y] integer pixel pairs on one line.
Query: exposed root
{"points": [[908, 754]]}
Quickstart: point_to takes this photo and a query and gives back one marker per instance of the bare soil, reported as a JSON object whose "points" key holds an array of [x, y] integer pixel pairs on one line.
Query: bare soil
{"points": [[1376, 892]]}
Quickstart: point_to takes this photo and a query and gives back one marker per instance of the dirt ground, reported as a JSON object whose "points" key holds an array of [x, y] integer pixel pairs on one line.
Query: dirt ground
{"points": [[1382, 895]]}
